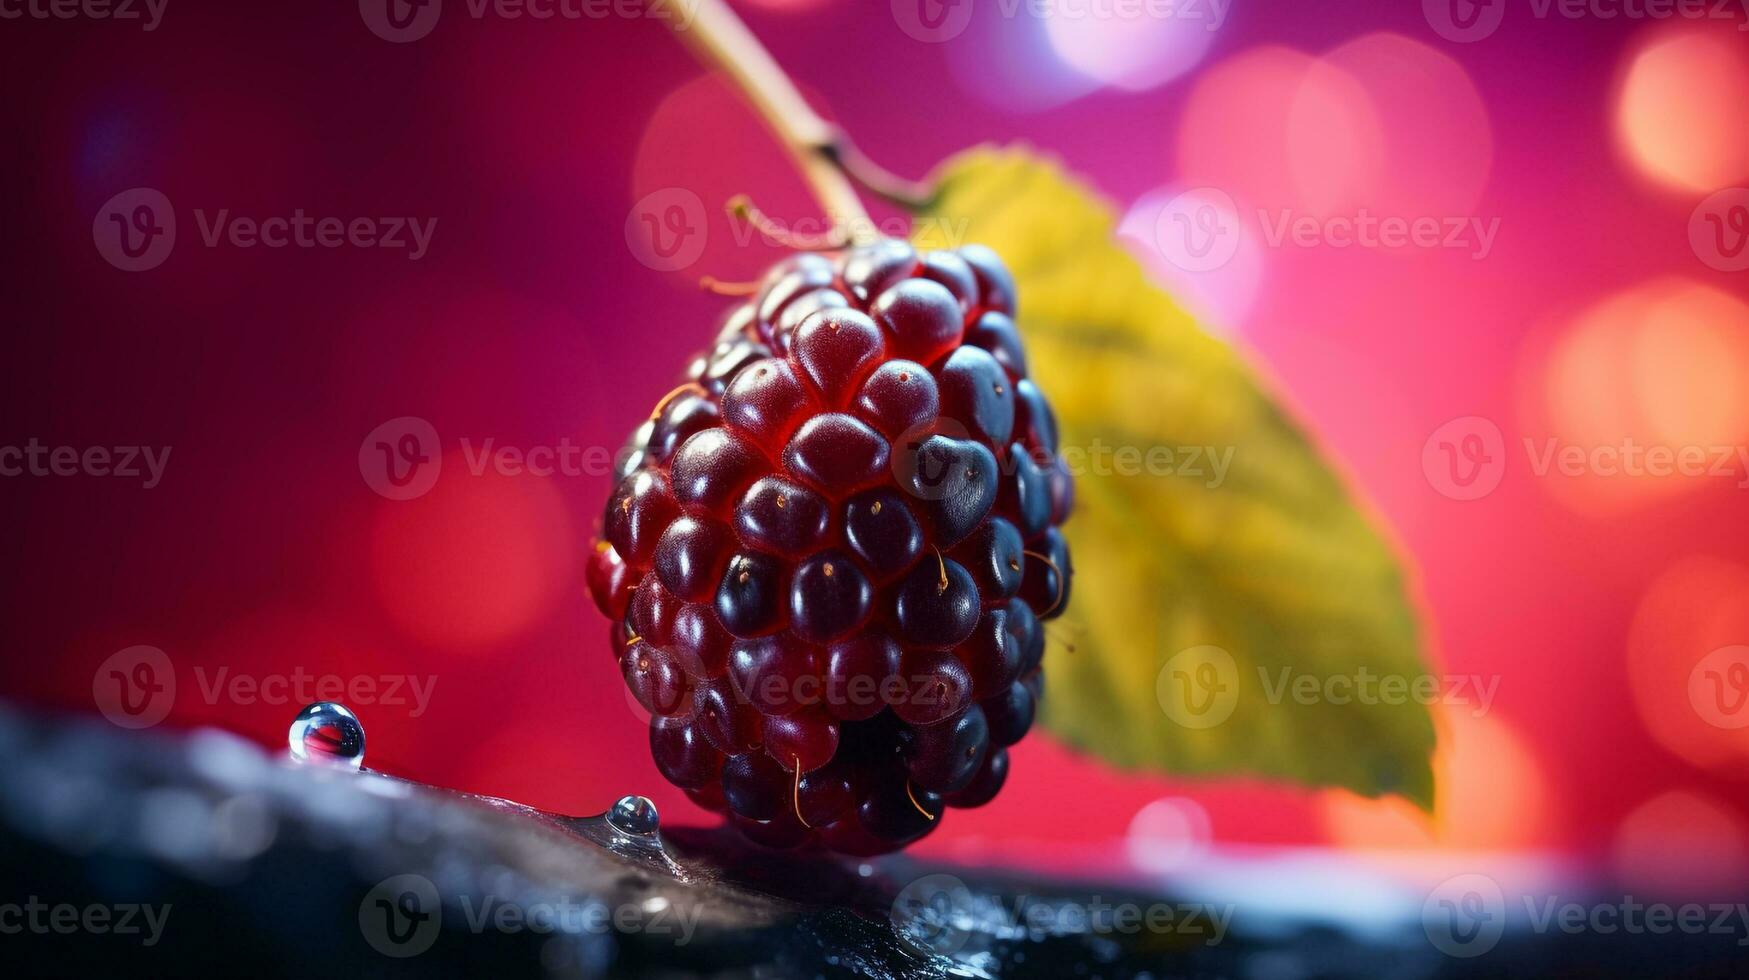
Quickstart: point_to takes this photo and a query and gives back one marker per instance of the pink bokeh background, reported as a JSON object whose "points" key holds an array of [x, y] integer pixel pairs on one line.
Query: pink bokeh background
{"points": [[1591, 317]]}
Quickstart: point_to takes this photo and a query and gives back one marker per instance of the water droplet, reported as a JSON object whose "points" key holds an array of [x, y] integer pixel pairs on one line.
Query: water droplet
{"points": [[328, 733], [634, 815]]}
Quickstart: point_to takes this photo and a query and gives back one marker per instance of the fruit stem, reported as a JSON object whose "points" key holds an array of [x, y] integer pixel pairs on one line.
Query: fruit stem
{"points": [[796, 794], [913, 798], [720, 39], [1058, 598]]}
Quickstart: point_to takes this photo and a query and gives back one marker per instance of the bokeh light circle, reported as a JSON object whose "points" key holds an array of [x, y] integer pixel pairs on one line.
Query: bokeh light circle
{"points": [[1689, 625], [1680, 110], [1220, 285], [1382, 124], [1651, 385], [1278, 129], [1168, 833], [1438, 144], [478, 559], [1134, 47]]}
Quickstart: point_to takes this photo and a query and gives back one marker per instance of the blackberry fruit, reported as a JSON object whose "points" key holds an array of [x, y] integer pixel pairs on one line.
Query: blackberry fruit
{"points": [[829, 553]]}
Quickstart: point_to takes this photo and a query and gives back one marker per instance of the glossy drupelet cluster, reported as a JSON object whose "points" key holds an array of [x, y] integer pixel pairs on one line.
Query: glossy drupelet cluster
{"points": [[829, 554]]}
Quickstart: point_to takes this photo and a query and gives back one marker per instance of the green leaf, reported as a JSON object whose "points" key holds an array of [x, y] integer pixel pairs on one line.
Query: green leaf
{"points": [[1199, 602]]}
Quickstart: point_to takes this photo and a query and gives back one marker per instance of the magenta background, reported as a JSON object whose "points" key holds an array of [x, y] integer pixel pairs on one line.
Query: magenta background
{"points": [[531, 321]]}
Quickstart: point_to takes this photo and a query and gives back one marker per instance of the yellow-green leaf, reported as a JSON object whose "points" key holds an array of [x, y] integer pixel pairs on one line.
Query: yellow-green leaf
{"points": [[1202, 602]]}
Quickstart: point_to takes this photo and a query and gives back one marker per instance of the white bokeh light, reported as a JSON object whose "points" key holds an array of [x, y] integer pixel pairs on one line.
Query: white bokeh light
{"points": [[1129, 46]]}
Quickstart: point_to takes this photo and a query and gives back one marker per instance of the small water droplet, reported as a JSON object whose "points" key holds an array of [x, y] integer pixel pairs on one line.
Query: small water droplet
{"points": [[634, 815], [327, 733]]}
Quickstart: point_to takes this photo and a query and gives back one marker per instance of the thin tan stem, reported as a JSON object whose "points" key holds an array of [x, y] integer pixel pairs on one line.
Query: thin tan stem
{"points": [[720, 39]]}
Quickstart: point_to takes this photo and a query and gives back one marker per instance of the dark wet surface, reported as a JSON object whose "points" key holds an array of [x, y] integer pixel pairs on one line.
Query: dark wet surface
{"points": [[248, 862]]}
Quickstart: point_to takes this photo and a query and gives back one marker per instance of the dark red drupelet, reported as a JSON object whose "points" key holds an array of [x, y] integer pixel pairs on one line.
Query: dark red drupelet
{"points": [[829, 554]]}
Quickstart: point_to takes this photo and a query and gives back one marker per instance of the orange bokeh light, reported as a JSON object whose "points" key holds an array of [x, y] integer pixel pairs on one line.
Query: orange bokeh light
{"points": [[1278, 129], [1662, 366], [1490, 795], [1685, 640], [1438, 143], [478, 559], [1383, 123], [1679, 114]]}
